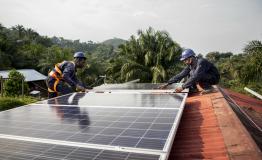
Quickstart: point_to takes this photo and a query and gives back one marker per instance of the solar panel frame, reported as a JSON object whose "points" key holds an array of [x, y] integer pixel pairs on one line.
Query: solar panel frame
{"points": [[172, 134]]}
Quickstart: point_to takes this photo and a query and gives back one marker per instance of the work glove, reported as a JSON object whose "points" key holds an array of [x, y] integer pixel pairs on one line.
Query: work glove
{"points": [[179, 89], [163, 86], [80, 88]]}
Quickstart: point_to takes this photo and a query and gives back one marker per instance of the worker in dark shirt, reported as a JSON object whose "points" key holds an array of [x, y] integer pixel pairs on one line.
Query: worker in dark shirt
{"points": [[62, 79], [200, 71]]}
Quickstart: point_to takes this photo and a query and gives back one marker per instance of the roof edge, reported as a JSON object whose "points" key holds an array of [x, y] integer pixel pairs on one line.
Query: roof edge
{"points": [[238, 141]]}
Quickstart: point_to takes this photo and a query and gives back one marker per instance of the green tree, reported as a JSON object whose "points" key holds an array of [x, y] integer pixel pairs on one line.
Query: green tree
{"points": [[21, 31], [241, 70], [213, 56], [13, 86], [113, 69], [5, 62], [28, 53], [52, 56], [5, 47], [148, 57], [252, 72], [95, 66]]}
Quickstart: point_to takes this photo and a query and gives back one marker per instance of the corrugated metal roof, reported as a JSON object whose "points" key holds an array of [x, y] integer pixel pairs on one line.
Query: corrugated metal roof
{"points": [[245, 101], [30, 74], [249, 111], [252, 106]]}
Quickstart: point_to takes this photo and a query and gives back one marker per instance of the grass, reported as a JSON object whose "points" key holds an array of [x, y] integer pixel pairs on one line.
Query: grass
{"points": [[11, 102]]}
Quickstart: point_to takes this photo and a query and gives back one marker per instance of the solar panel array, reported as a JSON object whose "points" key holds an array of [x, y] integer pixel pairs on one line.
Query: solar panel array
{"points": [[93, 126]]}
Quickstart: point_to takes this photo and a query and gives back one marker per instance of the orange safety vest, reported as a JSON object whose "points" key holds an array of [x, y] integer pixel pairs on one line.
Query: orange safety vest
{"points": [[57, 74]]}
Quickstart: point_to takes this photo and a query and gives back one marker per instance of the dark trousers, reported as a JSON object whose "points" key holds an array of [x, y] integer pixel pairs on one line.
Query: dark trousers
{"points": [[207, 80], [61, 88]]}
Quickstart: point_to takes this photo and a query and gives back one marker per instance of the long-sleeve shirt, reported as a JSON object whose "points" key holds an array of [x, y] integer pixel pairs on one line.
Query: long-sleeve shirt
{"points": [[196, 71], [69, 73]]}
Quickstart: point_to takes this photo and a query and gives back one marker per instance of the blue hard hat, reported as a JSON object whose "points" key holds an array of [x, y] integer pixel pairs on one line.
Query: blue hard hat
{"points": [[79, 55], [186, 54]]}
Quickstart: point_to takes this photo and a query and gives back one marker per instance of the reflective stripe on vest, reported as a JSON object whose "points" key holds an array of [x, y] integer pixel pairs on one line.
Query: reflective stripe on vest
{"points": [[55, 85], [57, 74]]}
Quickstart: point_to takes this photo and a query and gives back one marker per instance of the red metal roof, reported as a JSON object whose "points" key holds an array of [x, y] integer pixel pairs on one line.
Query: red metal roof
{"points": [[209, 129], [245, 101]]}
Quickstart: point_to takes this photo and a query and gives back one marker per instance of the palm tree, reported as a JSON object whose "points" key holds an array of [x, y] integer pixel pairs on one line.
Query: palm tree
{"points": [[149, 56], [253, 69], [31, 34], [20, 30]]}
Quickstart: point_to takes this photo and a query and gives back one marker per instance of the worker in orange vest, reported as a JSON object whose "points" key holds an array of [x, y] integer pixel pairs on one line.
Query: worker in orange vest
{"points": [[62, 79]]}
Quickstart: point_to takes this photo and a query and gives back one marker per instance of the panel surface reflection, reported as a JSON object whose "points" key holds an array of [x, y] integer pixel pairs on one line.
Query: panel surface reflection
{"points": [[119, 99]]}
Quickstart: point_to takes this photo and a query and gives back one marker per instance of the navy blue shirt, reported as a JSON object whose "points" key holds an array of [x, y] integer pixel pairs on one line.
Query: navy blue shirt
{"points": [[196, 71], [68, 70]]}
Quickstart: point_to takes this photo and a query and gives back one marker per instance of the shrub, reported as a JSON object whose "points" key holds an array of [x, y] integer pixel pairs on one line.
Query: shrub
{"points": [[11, 102], [13, 86]]}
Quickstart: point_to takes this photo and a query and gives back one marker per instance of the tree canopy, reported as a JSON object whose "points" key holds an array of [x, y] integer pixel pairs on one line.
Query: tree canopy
{"points": [[150, 55], [240, 70]]}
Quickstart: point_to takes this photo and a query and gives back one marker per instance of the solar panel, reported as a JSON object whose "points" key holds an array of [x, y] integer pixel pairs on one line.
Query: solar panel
{"points": [[138, 88], [134, 86], [126, 126], [27, 150], [121, 100]]}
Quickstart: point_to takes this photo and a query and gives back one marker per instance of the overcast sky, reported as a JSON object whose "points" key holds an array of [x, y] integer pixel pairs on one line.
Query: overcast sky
{"points": [[203, 25]]}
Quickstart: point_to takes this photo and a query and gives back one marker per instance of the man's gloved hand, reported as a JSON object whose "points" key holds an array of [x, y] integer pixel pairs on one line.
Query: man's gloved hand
{"points": [[80, 88], [163, 86]]}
